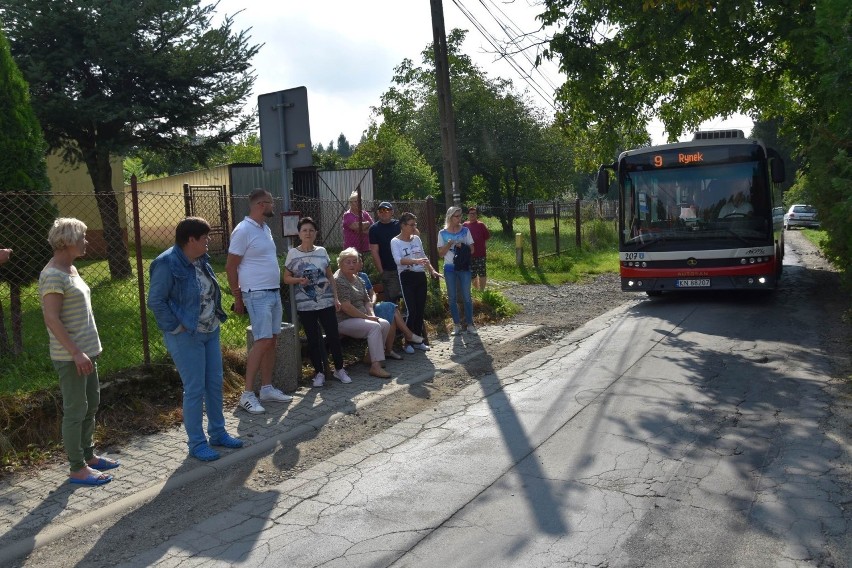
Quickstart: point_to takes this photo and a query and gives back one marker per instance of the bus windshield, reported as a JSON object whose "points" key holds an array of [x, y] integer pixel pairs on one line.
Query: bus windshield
{"points": [[722, 201]]}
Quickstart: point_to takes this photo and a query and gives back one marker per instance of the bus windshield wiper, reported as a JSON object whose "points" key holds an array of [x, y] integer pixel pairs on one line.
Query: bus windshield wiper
{"points": [[739, 236], [658, 238]]}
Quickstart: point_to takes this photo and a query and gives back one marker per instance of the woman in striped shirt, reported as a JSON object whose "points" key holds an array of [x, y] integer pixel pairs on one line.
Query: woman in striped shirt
{"points": [[74, 348]]}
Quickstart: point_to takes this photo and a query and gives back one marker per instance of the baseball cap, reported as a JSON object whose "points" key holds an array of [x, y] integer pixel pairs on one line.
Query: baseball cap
{"points": [[385, 205]]}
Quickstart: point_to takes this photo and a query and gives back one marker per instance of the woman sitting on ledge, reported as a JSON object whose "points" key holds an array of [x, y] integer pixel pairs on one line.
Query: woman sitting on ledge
{"points": [[356, 317]]}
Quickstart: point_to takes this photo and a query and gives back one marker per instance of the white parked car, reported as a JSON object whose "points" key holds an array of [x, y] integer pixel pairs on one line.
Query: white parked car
{"points": [[801, 216]]}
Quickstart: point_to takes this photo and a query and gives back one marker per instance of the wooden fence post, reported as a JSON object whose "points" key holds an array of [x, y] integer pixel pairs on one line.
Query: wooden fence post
{"points": [[140, 273], [533, 236], [556, 226], [578, 223]]}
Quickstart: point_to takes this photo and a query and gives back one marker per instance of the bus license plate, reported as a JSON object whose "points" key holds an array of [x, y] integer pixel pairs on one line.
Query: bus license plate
{"points": [[693, 283]]}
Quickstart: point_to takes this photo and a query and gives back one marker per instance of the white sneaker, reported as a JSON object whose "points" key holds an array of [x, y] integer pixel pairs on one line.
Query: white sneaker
{"points": [[342, 376], [409, 349], [422, 347], [270, 393], [416, 338], [472, 330], [456, 330], [319, 380], [250, 404]]}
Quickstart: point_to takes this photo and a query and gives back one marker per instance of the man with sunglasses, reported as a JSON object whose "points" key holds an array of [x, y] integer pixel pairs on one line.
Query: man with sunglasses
{"points": [[255, 281]]}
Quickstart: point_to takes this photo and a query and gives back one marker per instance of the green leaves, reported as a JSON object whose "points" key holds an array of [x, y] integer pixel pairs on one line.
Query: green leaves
{"points": [[132, 74]]}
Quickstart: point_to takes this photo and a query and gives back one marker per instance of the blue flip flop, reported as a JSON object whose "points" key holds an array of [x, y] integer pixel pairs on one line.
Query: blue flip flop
{"points": [[91, 480], [103, 464]]}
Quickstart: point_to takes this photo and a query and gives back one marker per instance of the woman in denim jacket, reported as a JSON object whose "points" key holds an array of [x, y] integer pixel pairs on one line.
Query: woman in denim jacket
{"points": [[187, 304]]}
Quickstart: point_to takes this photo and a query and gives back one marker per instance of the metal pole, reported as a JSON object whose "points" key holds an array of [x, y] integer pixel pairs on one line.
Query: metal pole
{"points": [[140, 274], [286, 174]]}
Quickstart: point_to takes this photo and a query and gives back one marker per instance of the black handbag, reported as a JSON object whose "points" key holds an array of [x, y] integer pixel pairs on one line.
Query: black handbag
{"points": [[461, 257]]}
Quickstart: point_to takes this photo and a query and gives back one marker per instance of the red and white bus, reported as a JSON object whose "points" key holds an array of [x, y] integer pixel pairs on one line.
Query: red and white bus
{"points": [[698, 215]]}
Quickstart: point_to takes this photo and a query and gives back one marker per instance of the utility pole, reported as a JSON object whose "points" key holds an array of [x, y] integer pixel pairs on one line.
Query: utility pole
{"points": [[452, 189]]}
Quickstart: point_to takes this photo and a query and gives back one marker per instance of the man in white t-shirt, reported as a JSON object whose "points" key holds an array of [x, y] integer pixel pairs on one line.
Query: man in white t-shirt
{"points": [[255, 281]]}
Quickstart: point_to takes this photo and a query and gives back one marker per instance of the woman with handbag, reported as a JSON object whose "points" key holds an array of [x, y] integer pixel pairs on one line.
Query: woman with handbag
{"points": [[455, 245]]}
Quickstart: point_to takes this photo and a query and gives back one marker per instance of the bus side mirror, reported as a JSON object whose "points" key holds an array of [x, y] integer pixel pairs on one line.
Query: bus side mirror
{"points": [[776, 167], [603, 180]]}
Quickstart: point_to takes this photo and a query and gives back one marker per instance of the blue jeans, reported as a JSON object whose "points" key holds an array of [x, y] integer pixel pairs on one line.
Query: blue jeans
{"points": [[463, 277], [198, 358]]}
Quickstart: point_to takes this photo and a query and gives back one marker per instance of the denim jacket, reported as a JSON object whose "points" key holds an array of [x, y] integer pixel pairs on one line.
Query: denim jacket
{"points": [[174, 295]]}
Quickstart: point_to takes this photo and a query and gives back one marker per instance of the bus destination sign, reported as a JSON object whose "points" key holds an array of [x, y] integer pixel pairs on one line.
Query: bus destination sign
{"points": [[690, 157]]}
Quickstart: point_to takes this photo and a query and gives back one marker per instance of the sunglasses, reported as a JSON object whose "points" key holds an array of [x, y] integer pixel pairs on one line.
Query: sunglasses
{"points": [[384, 209]]}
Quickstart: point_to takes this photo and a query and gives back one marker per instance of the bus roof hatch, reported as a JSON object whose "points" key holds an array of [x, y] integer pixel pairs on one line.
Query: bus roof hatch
{"points": [[716, 134]]}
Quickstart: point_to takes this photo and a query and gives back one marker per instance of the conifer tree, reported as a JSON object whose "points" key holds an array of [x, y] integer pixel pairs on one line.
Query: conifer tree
{"points": [[26, 212]]}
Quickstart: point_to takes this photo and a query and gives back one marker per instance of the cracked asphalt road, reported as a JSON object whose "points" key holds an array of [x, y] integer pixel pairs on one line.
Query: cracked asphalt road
{"points": [[681, 431]]}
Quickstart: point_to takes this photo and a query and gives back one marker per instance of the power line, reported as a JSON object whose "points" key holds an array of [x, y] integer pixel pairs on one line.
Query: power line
{"points": [[506, 57], [509, 58], [514, 34]]}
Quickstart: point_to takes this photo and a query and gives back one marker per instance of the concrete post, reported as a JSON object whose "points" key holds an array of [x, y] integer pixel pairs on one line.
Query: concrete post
{"points": [[288, 358], [519, 249]]}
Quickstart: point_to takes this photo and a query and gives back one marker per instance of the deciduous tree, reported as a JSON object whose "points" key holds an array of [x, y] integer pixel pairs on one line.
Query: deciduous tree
{"points": [[108, 76], [688, 61], [507, 155], [399, 169]]}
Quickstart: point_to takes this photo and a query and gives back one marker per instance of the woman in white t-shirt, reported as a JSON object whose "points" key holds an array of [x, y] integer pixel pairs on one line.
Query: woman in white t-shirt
{"points": [[308, 268], [451, 239], [412, 265]]}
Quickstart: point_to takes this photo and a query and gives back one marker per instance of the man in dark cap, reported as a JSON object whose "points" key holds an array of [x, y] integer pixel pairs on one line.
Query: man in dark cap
{"points": [[381, 233]]}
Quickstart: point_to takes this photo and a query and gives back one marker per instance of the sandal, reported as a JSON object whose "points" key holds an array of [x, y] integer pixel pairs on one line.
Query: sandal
{"points": [[227, 441], [103, 464], [204, 453]]}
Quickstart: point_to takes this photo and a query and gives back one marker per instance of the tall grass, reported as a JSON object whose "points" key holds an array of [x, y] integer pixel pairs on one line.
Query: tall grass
{"points": [[116, 309], [597, 254]]}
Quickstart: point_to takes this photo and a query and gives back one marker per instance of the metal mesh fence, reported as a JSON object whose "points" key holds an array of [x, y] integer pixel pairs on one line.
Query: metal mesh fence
{"points": [[116, 262], [116, 269], [556, 226]]}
